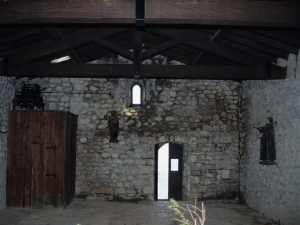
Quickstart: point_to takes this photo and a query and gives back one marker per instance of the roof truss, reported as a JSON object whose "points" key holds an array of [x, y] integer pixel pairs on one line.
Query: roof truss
{"points": [[243, 39]]}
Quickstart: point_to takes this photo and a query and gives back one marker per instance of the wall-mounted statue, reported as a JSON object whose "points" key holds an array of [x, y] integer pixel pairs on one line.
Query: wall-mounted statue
{"points": [[267, 142], [113, 124]]}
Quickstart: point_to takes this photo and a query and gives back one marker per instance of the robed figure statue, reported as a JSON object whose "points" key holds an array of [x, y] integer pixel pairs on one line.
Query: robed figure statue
{"points": [[113, 125], [267, 142]]}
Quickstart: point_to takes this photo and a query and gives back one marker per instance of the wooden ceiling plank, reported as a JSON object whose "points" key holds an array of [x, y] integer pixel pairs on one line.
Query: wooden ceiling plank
{"points": [[113, 47], [227, 13], [20, 34], [251, 51], [16, 46], [148, 71], [267, 41], [211, 47], [217, 37], [66, 12], [9, 30], [281, 36], [257, 46], [36, 42], [63, 45], [160, 48]]}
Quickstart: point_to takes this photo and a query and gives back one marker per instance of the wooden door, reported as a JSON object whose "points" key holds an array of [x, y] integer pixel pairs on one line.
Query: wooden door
{"points": [[175, 171], [44, 174]]}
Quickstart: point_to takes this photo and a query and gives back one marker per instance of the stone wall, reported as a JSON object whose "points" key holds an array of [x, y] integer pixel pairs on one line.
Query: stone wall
{"points": [[7, 91], [273, 190], [200, 115]]}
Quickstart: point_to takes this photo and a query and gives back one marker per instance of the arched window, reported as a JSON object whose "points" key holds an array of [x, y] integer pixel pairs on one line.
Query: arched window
{"points": [[136, 95]]}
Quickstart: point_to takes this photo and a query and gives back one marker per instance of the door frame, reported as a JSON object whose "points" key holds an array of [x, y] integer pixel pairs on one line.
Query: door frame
{"points": [[157, 147]]}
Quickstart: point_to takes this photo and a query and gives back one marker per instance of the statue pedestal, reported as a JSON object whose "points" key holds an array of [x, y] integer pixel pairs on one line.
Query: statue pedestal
{"points": [[267, 163]]}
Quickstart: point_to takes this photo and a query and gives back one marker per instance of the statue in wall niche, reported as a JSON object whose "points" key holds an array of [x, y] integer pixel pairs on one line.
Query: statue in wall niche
{"points": [[113, 125], [267, 142]]}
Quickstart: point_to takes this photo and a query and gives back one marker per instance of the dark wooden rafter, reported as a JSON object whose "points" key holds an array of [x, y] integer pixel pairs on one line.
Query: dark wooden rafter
{"points": [[176, 54], [63, 45], [17, 45], [243, 40], [19, 34], [267, 41], [160, 48], [137, 51], [232, 13], [113, 47], [217, 37], [251, 51], [147, 71], [34, 42], [281, 36], [56, 35], [155, 40], [211, 47], [230, 51]]}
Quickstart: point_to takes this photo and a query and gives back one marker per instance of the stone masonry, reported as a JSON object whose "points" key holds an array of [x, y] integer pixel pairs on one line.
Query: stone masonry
{"points": [[200, 115], [7, 91], [273, 190]]}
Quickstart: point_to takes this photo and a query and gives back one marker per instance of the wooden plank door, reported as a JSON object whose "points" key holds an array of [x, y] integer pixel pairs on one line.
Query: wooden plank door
{"points": [[175, 171]]}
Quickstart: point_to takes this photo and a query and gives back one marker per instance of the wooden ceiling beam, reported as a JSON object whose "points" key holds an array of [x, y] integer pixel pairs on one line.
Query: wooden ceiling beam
{"points": [[227, 13], [35, 42], [20, 34], [147, 71], [137, 50], [256, 45], [56, 35], [281, 36], [63, 45], [160, 48], [217, 37], [178, 54], [10, 47], [267, 41], [113, 47], [157, 40], [211, 47], [251, 51]]}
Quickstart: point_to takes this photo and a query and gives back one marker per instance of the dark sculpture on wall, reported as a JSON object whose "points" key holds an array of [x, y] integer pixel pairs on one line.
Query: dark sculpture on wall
{"points": [[113, 124], [267, 142]]}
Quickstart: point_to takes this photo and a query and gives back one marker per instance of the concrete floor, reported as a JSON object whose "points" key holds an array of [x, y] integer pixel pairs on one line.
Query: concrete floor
{"points": [[96, 212]]}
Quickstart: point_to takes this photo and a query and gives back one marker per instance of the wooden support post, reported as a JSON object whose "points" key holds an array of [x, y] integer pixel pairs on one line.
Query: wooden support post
{"points": [[137, 43], [140, 12]]}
